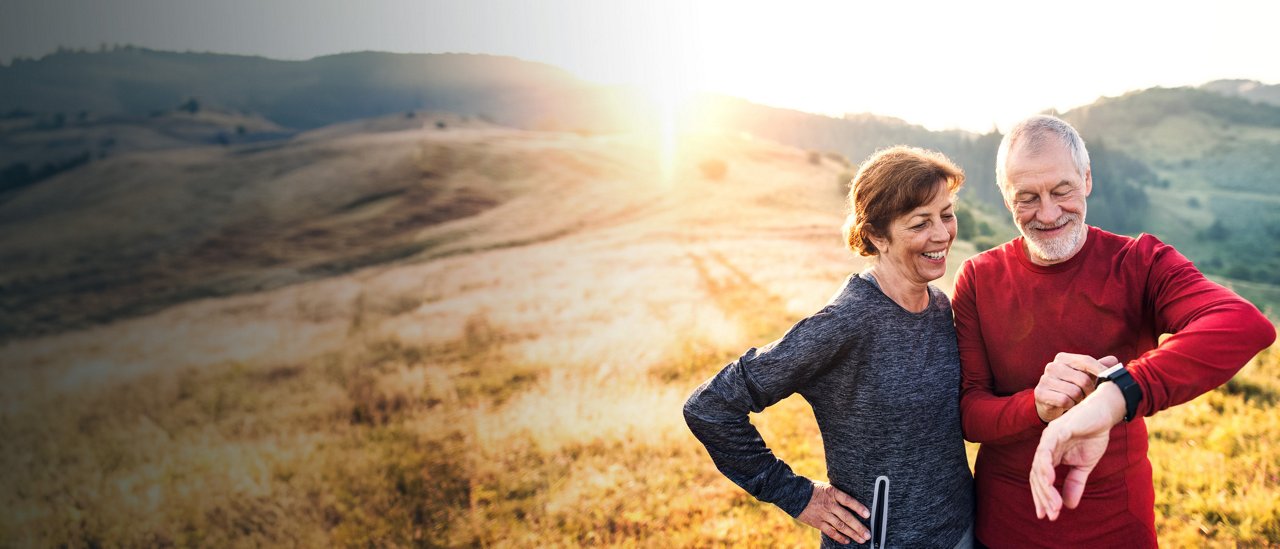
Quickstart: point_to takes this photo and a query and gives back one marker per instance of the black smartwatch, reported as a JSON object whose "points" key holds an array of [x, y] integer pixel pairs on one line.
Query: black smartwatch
{"points": [[1128, 387]]}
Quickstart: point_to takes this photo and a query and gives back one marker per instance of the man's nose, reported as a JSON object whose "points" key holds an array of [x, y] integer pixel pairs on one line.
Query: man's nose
{"points": [[1048, 212]]}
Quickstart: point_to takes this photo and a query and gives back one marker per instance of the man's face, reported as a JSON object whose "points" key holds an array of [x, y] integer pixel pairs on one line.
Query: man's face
{"points": [[1047, 197]]}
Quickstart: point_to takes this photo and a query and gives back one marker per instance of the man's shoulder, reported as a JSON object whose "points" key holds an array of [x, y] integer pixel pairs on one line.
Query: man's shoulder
{"points": [[996, 256], [1122, 247]]}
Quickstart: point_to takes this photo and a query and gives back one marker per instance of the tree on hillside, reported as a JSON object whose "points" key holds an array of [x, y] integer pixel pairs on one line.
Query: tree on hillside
{"points": [[1217, 232], [1119, 201]]}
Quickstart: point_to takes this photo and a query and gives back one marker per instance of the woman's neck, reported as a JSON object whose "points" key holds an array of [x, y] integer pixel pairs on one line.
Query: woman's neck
{"points": [[912, 296]]}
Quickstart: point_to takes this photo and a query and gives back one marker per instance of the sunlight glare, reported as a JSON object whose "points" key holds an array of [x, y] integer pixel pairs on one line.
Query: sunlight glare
{"points": [[669, 54]]}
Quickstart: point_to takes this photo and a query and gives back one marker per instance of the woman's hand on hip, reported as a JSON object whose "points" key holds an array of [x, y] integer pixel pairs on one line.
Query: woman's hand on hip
{"points": [[832, 511]]}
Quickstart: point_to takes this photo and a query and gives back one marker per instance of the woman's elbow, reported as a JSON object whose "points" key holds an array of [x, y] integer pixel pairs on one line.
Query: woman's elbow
{"points": [[690, 407]]}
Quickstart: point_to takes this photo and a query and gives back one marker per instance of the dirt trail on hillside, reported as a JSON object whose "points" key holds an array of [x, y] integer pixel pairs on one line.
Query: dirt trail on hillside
{"points": [[561, 243]]}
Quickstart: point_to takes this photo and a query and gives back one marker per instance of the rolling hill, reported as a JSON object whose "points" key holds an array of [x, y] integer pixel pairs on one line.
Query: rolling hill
{"points": [[1194, 166], [1220, 156], [458, 336], [327, 303]]}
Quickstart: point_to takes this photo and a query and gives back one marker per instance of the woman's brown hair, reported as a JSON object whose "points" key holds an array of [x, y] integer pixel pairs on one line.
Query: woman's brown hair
{"points": [[890, 183]]}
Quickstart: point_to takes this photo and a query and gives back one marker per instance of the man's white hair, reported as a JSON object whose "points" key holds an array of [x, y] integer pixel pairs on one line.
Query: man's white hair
{"points": [[1035, 132]]}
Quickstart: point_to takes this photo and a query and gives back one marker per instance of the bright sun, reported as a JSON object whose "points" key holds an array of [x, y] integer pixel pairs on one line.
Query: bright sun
{"points": [[670, 103]]}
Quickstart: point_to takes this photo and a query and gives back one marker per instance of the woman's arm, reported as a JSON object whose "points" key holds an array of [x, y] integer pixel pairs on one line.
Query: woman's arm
{"points": [[717, 411]]}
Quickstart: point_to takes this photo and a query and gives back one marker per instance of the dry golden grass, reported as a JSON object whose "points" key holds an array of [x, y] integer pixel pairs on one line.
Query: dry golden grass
{"points": [[522, 389]]}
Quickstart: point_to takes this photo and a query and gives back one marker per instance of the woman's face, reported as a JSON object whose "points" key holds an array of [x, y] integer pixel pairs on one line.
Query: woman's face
{"points": [[920, 240]]}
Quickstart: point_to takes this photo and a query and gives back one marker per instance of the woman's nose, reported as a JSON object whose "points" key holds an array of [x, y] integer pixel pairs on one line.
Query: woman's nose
{"points": [[940, 232]]}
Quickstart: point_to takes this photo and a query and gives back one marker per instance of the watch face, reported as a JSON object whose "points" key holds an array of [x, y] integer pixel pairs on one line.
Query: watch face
{"points": [[1110, 373]]}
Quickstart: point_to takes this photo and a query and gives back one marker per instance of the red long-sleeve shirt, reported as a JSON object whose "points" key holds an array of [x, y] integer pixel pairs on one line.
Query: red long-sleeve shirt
{"points": [[1116, 296]]}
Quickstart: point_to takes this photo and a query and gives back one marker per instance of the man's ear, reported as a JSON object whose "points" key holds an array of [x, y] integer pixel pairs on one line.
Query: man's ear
{"points": [[1088, 181]]}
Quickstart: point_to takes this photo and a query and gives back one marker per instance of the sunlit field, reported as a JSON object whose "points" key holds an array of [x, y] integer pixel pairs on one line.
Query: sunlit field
{"points": [[518, 383]]}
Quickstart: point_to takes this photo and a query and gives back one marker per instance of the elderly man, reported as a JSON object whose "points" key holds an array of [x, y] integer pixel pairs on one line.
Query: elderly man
{"points": [[1031, 318]]}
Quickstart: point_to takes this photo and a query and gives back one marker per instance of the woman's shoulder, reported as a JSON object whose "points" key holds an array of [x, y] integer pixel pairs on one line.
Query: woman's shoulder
{"points": [[849, 301], [938, 299], [854, 293]]}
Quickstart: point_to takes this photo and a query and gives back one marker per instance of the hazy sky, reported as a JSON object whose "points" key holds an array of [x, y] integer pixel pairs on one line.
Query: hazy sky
{"points": [[941, 64]]}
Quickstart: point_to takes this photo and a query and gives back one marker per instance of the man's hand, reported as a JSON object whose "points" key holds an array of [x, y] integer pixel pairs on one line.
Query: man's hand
{"points": [[831, 511], [1069, 379], [1077, 439]]}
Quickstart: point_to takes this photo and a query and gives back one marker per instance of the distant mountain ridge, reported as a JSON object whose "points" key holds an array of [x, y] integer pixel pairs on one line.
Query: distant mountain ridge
{"points": [[303, 94], [1219, 152], [1197, 166], [1252, 90]]}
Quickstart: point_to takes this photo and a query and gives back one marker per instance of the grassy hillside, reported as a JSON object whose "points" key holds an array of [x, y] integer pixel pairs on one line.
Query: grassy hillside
{"points": [[136, 232], [1219, 157], [518, 382]]}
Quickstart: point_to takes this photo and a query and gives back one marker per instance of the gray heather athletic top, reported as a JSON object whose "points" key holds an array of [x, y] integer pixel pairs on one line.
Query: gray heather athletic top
{"points": [[884, 385]]}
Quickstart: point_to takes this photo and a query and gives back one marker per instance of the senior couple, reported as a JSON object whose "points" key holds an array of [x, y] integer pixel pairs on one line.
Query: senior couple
{"points": [[1052, 360]]}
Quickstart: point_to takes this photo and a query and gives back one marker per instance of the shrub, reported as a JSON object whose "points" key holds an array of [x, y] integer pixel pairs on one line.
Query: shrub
{"points": [[839, 159], [713, 168], [844, 180]]}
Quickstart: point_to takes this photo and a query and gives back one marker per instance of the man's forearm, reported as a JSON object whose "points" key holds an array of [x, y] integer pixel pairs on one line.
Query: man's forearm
{"points": [[989, 419], [1099, 412]]}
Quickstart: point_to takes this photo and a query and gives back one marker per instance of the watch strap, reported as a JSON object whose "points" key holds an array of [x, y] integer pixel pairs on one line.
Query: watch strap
{"points": [[1128, 386]]}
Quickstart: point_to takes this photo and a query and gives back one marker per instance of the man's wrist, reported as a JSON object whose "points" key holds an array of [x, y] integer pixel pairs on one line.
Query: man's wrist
{"points": [[1119, 376], [1108, 398]]}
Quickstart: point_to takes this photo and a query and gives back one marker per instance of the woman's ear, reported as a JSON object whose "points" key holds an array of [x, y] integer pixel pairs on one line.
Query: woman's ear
{"points": [[882, 244]]}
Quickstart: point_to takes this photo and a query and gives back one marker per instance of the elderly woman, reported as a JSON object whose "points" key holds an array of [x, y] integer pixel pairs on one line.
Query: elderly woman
{"points": [[880, 368]]}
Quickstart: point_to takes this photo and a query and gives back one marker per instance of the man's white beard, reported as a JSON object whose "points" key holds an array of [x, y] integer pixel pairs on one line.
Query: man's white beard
{"points": [[1057, 249]]}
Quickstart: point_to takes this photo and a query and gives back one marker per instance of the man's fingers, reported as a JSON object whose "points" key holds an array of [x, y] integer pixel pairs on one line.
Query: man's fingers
{"points": [[1108, 361], [1038, 483], [1048, 501], [1036, 497], [1046, 497], [1072, 392], [1073, 487], [1058, 393], [853, 504], [1076, 375], [1083, 363]]}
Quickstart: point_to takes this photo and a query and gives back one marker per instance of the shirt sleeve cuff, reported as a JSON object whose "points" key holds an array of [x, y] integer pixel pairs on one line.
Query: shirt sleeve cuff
{"points": [[798, 492], [1025, 403]]}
